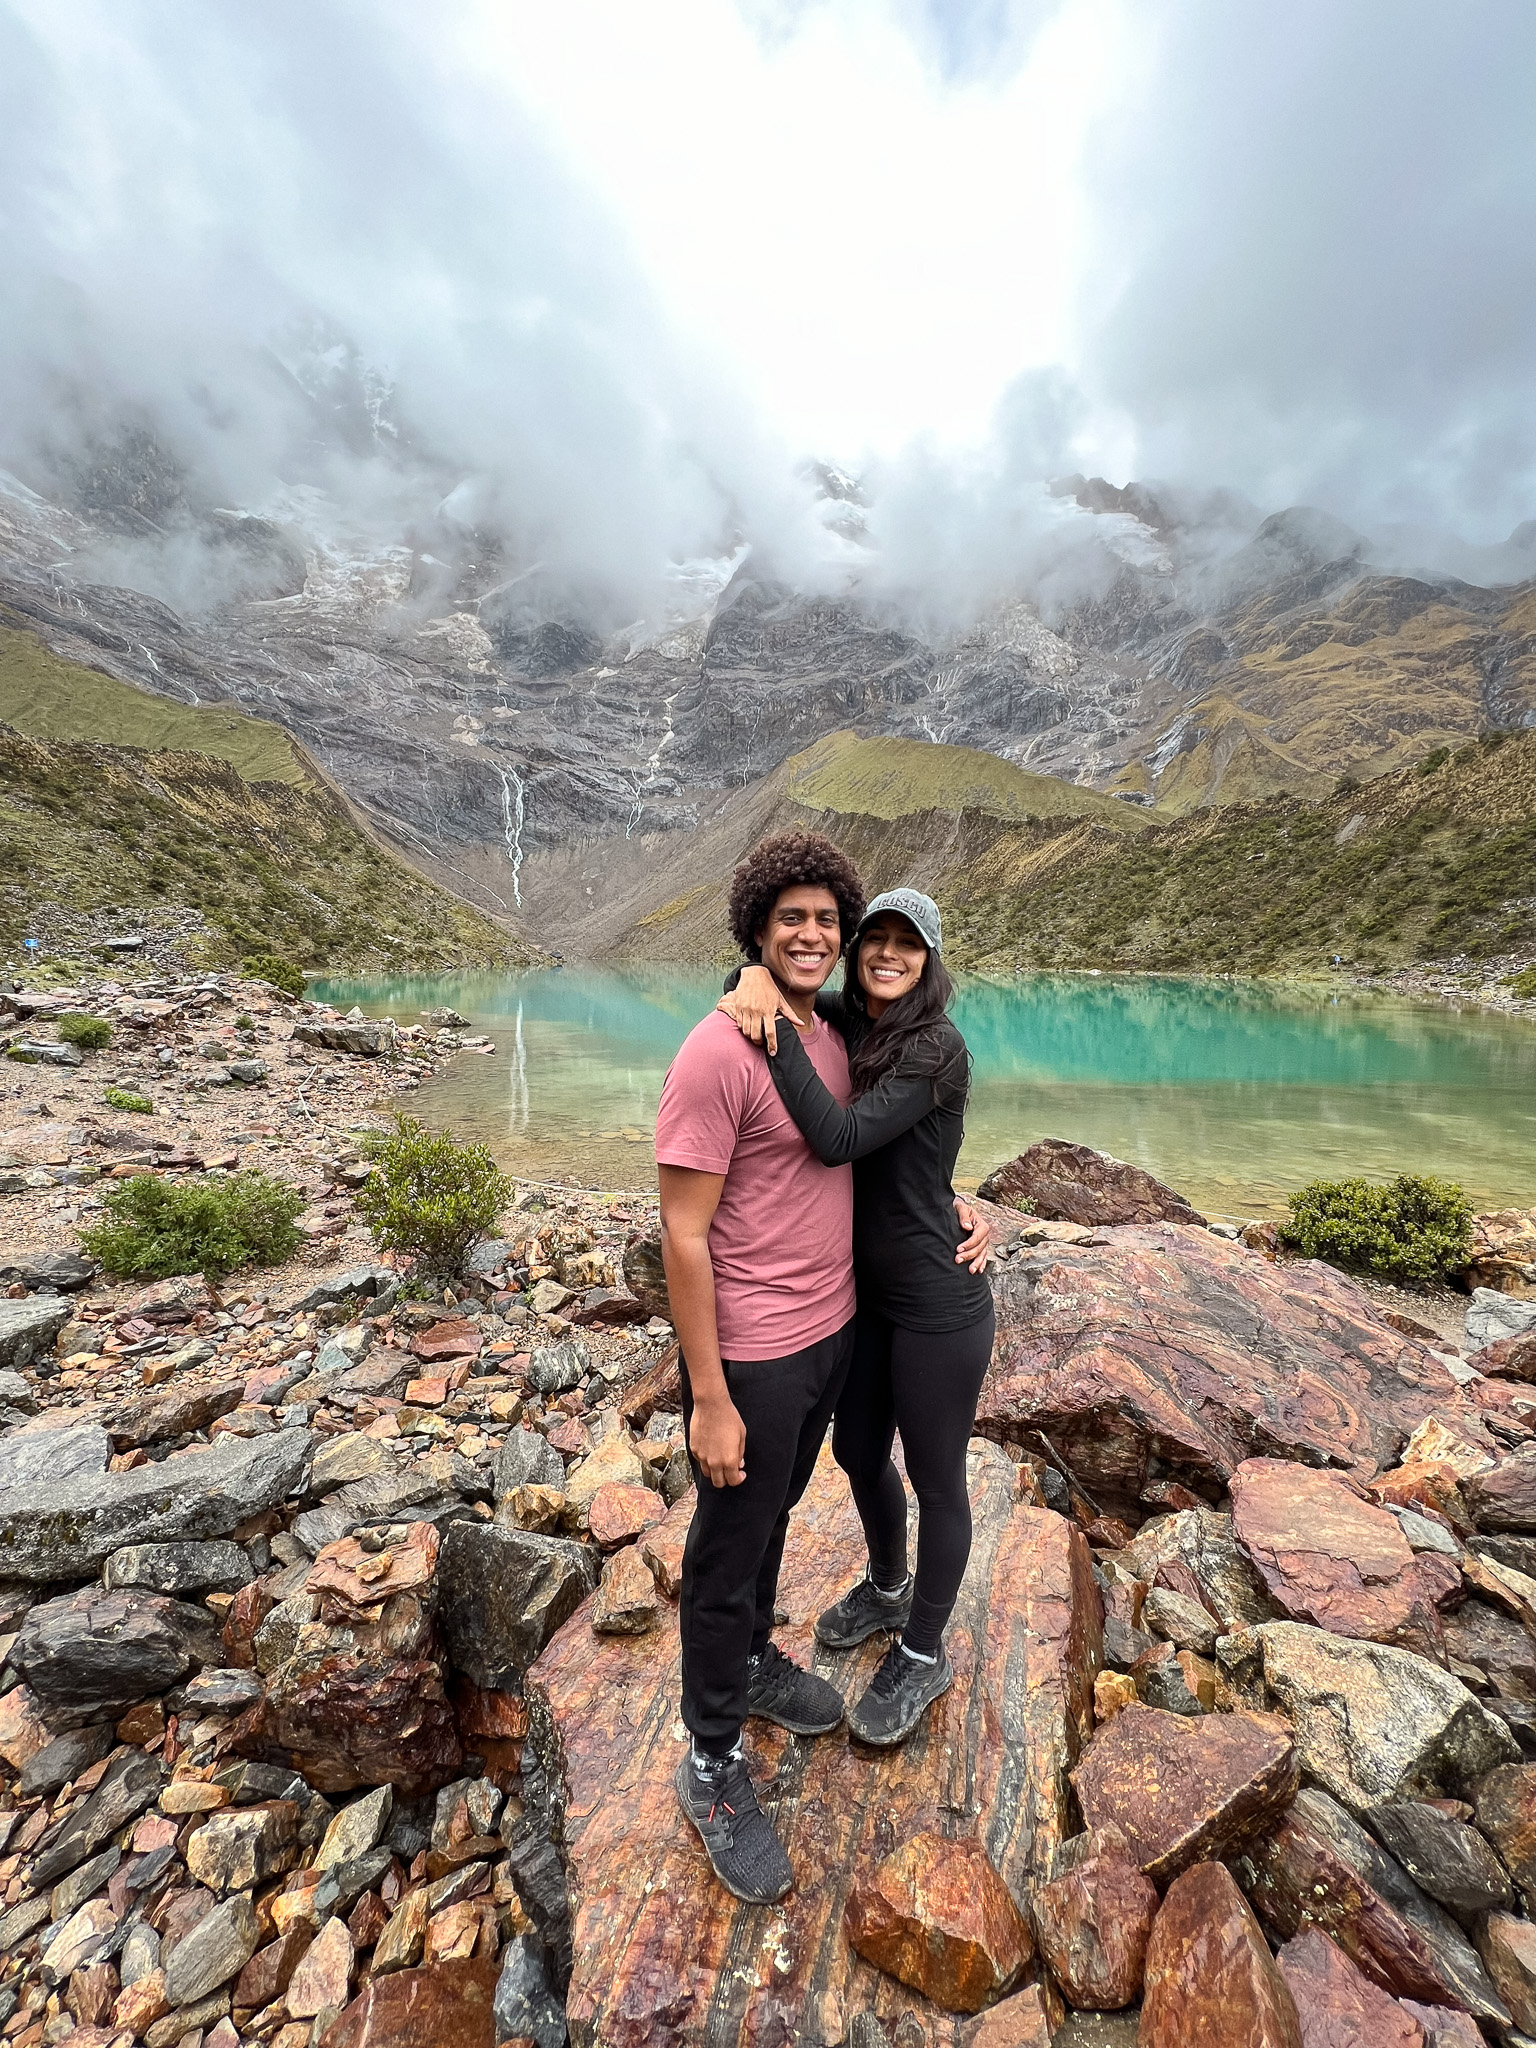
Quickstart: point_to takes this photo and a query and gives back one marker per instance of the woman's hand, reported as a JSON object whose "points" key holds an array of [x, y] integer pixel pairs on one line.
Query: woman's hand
{"points": [[977, 1248], [753, 1005]]}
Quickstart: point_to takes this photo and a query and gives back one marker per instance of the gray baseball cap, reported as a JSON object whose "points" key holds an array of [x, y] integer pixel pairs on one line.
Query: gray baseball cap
{"points": [[913, 905]]}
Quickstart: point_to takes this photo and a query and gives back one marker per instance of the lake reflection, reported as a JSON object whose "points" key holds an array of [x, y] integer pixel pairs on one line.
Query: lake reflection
{"points": [[1234, 1092]]}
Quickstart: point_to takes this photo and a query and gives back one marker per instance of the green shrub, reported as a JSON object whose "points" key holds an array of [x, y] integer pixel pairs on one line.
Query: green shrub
{"points": [[22, 1056], [245, 1022], [129, 1099], [91, 1034], [1418, 1228], [1437, 758], [430, 1197], [281, 973], [155, 1228], [1523, 984]]}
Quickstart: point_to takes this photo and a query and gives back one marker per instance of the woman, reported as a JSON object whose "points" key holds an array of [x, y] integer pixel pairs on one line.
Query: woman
{"points": [[925, 1323]]}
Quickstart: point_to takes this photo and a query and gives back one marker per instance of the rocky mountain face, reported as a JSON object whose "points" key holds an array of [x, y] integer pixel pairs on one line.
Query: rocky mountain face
{"points": [[1194, 654]]}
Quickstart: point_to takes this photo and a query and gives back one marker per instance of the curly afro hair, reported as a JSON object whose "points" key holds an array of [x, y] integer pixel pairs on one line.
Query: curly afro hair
{"points": [[787, 861]]}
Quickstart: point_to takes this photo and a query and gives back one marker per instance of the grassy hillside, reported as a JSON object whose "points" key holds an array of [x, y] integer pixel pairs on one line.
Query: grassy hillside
{"points": [[1368, 678], [891, 778], [48, 698], [1420, 864], [96, 838]]}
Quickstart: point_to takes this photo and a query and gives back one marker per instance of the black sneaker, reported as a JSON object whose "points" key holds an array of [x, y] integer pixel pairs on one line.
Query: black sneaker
{"points": [[778, 1690], [747, 1856], [898, 1696], [863, 1613]]}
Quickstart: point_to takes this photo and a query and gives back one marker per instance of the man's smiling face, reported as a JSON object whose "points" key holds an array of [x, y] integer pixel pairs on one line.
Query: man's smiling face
{"points": [[802, 940]]}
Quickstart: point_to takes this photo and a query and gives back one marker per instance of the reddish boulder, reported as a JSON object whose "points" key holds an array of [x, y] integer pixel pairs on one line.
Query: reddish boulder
{"points": [[936, 1915], [1320, 1869], [662, 1548], [661, 1953], [448, 2005], [1505, 1496], [619, 1513], [352, 1584], [1329, 1558], [1508, 1947], [1022, 2021], [345, 1720], [1336, 2005], [1444, 2027], [627, 1603], [1182, 1790], [1238, 1354], [1092, 1924], [1511, 1358], [458, 1338], [1211, 1981], [1428, 1485], [1067, 1183], [1505, 1804]]}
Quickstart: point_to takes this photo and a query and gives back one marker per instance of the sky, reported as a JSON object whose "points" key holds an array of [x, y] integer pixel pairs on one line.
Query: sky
{"points": [[623, 269]]}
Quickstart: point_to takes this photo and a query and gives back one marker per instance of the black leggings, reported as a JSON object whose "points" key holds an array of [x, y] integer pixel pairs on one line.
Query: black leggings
{"points": [[926, 1384]]}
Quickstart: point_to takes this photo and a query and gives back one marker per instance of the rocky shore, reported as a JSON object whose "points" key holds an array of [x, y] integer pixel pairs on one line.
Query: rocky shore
{"points": [[338, 1629]]}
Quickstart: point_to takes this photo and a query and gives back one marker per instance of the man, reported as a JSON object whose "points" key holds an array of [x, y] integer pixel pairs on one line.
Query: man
{"points": [[757, 1239]]}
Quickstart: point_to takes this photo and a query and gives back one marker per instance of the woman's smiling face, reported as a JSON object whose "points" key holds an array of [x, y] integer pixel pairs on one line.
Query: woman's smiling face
{"points": [[892, 957]]}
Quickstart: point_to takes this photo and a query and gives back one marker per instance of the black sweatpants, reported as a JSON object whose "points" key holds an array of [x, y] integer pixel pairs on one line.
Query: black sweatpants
{"points": [[926, 1384], [736, 1539]]}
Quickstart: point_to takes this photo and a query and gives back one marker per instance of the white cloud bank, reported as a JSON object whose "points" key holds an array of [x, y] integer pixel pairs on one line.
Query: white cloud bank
{"points": [[622, 268]]}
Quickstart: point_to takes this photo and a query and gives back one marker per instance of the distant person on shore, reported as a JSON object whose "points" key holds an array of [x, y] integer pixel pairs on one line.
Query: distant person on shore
{"points": [[757, 1240], [923, 1334]]}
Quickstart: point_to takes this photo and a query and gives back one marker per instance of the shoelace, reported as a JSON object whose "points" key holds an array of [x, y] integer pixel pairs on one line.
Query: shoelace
{"points": [[718, 1801], [773, 1665], [891, 1672]]}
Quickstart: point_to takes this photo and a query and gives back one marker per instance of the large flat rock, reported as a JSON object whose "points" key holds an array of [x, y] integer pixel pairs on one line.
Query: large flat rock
{"points": [[1169, 1353], [664, 1957], [67, 1528]]}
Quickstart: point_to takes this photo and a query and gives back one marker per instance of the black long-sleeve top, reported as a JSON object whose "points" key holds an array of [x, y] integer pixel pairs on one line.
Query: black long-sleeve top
{"points": [[903, 1141]]}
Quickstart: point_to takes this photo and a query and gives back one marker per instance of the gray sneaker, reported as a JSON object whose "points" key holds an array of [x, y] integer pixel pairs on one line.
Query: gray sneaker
{"points": [[778, 1690], [862, 1613], [746, 1854], [898, 1696]]}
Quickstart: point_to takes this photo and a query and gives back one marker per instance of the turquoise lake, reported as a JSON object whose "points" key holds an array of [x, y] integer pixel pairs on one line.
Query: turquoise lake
{"points": [[1234, 1092]]}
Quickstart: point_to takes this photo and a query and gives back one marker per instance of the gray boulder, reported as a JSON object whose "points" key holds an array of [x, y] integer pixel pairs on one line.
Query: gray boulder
{"points": [[34, 1457], [365, 1039], [97, 1652], [526, 2009], [1372, 1723], [52, 1530], [557, 1368], [525, 1459], [130, 1782], [46, 1272], [17, 1396], [218, 1948], [1443, 1856], [352, 1281], [179, 1567], [1494, 1316], [28, 1327], [502, 1595], [65, 1758]]}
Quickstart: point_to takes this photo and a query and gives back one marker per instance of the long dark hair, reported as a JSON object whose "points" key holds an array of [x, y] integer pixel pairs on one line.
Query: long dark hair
{"points": [[907, 1034]]}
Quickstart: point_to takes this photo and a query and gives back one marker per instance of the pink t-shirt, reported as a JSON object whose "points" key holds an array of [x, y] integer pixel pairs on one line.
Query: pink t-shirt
{"points": [[781, 1242]]}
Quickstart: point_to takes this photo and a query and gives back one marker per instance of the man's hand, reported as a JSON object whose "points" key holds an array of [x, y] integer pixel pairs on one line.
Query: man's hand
{"points": [[717, 1437], [754, 1005], [977, 1248]]}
